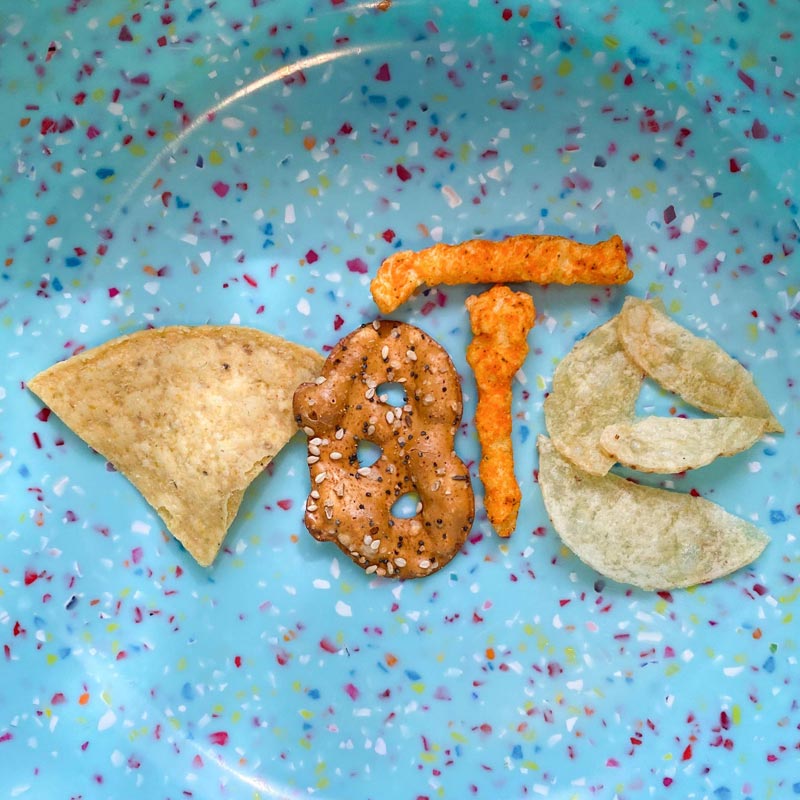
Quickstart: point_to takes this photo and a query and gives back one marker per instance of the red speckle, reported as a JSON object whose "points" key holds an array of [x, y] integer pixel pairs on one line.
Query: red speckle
{"points": [[669, 214], [136, 554], [746, 80], [142, 79], [43, 414], [220, 188], [237, 661], [6, 737], [311, 257], [667, 781], [507, 14], [250, 280], [700, 245], [628, 80], [759, 130], [337, 322], [733, 165], [402, 173], [218, 737], [388, 235], [383, 73], [79, 98], [351, 691], [18, 629], [30, 577], [358, 266], [125, 34], [681, 137], [327, 645], [282, 657], [687, 753], [284, 504]]}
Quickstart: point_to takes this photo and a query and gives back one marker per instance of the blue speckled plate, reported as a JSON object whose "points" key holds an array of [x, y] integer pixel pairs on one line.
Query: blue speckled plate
{"points": [[251, 163]]}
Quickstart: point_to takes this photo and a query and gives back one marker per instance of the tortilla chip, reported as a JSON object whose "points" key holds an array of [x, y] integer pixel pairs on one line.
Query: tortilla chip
{"points": [[189, 415], [697, 369], [651, 538], [675, 444], [595, 385]]}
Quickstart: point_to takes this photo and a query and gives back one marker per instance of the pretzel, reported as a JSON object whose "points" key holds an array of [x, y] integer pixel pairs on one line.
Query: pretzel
{"points": [[501, 320], [350, 504], [539, 259]]}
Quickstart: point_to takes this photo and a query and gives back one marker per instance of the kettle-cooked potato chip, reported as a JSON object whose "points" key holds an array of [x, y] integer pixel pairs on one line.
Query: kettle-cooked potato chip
{"points": [[651, 538], [189, 415], [595, 385], [697, 369], [675, 444]]}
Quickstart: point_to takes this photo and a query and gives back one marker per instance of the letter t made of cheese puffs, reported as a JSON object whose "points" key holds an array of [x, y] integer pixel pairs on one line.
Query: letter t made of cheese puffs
{"points": [[500, 322]]}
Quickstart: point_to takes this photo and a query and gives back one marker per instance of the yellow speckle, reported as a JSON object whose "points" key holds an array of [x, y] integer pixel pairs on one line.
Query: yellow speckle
{"points": [[215, 158], [236, 716], [137, 150], [651, 186], [667, 756], [564, 68], [440, 98], [655, 288], [566, 158], [175, 722], [691, 88], [346, 588], [459, 737], [313, 191], [181, 665], [464, 151], [675, 306], [611, 42], [116, 20], [98, 94], [323, 783], [427, 757], [697, 37], [170, 136], [305, 744], [787, 618], [736, 714], [570, 655], [752, 331], [530, 765], [306, 714], [606, 81], [217, 708], [528, 629], [528, 148], [324, 181], [740, 658], [198, 61], [635, 192], [261, 54], [296, 686], [707, 201], [418, 687], [52, 658], [749, 60]]}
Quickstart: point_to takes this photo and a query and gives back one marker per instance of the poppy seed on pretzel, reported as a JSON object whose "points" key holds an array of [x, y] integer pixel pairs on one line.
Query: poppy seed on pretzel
{"points": [[350, 504]]}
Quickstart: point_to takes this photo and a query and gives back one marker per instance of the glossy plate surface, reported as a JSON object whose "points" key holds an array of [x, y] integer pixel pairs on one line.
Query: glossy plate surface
{"points": [[252, 163]]}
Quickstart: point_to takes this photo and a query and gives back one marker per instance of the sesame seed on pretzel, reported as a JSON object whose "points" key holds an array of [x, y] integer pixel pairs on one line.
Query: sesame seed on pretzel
{"points": [[351, 504]]}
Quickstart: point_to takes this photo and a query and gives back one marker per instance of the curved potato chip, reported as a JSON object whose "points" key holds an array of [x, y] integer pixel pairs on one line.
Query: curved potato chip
{"points": [[189, 415], [651, 538], [675, 444], [595, 385], [697, 369]]}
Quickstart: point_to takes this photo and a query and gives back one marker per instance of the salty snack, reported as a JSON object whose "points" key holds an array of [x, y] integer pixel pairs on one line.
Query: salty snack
{"points": [[540, 259], [594, 386], [190, 415], [697, 369], [351, 504], [501, 320], [675, 444], [651, 538]]}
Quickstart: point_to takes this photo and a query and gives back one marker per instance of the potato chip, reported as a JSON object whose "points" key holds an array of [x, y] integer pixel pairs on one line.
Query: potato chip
{"points": [[697, 369], [651, 538], [594, 386], [189, 415], [675, 444]]}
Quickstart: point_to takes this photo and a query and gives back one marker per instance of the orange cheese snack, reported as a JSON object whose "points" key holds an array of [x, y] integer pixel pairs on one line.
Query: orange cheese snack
{"points": [[539, 259], [501, 320]]}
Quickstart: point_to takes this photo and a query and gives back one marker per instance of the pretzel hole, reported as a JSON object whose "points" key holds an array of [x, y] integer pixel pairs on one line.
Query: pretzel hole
{"points": [[392, 393], [367, 452], [406, 506]]}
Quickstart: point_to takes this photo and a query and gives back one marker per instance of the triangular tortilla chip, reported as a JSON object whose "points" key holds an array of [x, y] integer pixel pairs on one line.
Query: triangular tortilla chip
{"points": [[189, 415]]}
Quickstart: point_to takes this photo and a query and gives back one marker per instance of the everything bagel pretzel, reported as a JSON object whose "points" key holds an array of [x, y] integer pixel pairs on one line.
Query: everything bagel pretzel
{"points": [[350, 504]]}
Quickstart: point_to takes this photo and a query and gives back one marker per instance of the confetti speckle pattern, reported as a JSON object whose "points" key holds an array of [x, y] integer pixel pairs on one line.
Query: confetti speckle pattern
{"points": [[251, 163]]}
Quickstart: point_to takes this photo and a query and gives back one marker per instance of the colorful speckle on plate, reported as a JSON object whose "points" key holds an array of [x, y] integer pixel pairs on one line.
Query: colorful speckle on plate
{"points": [[251, 163]]}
